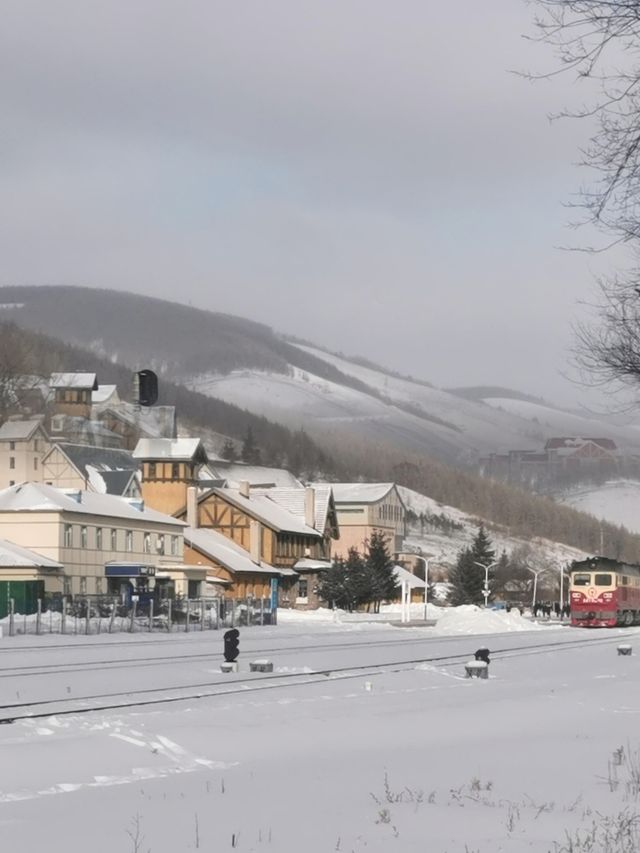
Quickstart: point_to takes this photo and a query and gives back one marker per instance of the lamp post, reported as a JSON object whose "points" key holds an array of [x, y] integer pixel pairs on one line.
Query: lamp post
{"points": [[486, 590], [426, 579], [535, 573]]}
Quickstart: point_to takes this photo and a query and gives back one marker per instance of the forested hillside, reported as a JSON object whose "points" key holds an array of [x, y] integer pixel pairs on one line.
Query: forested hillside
{"points": [[333, 456]]}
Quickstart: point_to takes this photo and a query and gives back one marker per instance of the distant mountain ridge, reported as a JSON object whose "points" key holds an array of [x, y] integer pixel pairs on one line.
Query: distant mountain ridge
{"points": [[301, 385]]}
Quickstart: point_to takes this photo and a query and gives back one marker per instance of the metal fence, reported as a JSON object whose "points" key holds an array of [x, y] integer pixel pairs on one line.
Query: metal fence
{"points": [[106, 615]]}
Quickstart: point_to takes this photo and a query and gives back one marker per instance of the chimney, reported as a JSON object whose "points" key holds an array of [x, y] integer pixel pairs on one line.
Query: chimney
{"points": [[310, 506], [245, 488], [192, 506], [255, 537]]}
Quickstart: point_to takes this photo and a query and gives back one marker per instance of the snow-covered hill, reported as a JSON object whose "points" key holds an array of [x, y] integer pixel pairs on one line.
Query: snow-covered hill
{"points": [[445, 545], [617, 501], [404, 412]]}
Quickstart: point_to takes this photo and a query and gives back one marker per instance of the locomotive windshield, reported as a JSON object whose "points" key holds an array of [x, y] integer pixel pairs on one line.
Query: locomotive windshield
{"points": [[582, 579], [603, 580]]}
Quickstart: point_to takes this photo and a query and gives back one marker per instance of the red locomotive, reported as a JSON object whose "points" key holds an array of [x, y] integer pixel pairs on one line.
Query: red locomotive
{"points": [[604, 593]]}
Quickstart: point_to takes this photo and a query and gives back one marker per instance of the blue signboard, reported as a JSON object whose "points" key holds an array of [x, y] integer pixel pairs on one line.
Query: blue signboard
{"points": [[274, 593], [128, 570]]}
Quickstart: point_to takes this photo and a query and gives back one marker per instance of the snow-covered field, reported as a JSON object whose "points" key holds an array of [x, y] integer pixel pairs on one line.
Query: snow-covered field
{"points": [[407, 757], [617, 501]]}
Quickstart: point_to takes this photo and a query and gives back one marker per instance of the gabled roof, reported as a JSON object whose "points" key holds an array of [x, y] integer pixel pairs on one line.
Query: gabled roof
{"points": [[360, 493], [404, 575], [38, 497], [18, 430], [173, 449], [224, 551], [100, 458], [293, 500], [264, 510], [81, 381], [576, 442], [102, 393], [259, 476], [14, 556]]}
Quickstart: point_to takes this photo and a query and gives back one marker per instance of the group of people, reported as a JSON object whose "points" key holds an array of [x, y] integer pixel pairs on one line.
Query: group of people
{"points": [[547, 609]]}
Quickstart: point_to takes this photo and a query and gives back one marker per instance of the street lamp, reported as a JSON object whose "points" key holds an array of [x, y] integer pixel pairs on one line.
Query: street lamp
{"points": [[485, 591], [535, 573], [426, 579]]}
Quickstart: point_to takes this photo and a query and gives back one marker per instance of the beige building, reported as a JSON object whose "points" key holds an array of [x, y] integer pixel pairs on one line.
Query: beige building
{"points": [[97, 469], [363, 508], [102, 541], [23, 445]]}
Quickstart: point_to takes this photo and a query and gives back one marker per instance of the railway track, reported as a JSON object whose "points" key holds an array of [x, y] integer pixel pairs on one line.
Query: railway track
{"points": [[123, 699]]}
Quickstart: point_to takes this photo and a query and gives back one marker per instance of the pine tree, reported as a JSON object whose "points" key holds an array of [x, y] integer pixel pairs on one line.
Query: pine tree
{"points": [[383, 584], [228, 451], [250, 451], [468, 576], [346, 583]]}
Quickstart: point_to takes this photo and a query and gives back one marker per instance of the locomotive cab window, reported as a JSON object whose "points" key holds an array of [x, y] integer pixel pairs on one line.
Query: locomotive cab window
{"points": [[602, 580], [581, 580]]}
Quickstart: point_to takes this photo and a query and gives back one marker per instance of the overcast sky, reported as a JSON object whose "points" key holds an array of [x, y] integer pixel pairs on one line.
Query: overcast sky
{"points": [[363, 173]]}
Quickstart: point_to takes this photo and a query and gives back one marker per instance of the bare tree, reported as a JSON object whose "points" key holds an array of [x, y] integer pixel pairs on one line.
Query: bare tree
{"points": [[21, 372], [599, 42]]}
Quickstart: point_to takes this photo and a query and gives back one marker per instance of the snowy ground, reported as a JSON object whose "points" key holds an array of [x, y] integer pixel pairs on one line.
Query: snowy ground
{"points": [[617, 501], [412, 757]]}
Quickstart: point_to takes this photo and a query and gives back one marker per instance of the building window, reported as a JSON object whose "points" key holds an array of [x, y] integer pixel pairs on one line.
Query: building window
{"points": [[174, 546], [57, 423], [160, 543], [12, 445], [66, 586], [36, 445], [12, 482], [83, 586], [152, 470], [99, 538], [35, 463], [303, 588], [128, 540], [99, 587], [12, 462], [175, 471], [68, 536], [114, 539], [147, 543], [83, 537]]}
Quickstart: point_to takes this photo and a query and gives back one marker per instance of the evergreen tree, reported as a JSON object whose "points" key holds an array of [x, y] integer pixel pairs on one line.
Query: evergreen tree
{"points": [[250, 452], [346, 584], [382, 582], [228, 451], [465, 580], [468, 576]]}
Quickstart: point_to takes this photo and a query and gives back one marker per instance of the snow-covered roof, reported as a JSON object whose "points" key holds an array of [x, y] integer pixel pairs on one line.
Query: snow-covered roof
{"points": [[293, 500], [18, 430], [360, 493], [102, 393], [15, 555], [404, 575], [224, 551], [259, 476], [266, 511], [82, 381], [309, 565], [175, 449], [39, 497]]}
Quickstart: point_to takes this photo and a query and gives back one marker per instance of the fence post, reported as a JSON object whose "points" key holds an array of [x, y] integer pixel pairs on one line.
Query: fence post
{"points": [[133, 616], [112, 616], [50, 618], [150, 614], [63, 616], [202, 612], [187, 619], [217, 614], [12, 605], [262, 611], [38, 616], [233, 612], [87, 624], [169, 616]]}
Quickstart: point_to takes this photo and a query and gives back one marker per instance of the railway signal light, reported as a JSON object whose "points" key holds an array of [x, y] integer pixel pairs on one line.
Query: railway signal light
{"points": [[147, 387], [231, 645]]}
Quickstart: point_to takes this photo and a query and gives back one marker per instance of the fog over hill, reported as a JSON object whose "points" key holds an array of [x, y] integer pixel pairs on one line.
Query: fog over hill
{"points": [[246, 363]]}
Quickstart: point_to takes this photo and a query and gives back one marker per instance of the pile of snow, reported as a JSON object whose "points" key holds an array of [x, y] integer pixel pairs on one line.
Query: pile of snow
{"points": [[322, 614], [470, 619]]}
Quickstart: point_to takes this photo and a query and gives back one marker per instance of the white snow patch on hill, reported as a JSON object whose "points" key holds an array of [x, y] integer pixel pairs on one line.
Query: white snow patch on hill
{"points": [[617, 501]]}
